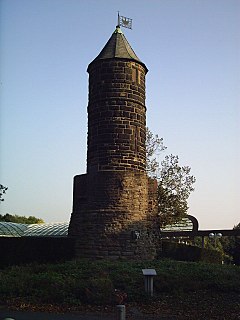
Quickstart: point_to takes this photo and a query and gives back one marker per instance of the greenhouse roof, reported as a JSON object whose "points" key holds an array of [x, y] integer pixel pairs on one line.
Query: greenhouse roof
{"points": [[188, 223], [60, 229], [183, 225], [10, 229]]}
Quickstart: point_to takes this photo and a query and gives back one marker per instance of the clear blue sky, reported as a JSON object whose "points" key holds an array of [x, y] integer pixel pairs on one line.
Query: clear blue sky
{"points": [[192, 51]]}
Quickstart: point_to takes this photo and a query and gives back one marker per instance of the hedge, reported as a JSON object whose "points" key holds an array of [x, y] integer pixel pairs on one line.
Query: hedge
{"points": [[182, 252]]}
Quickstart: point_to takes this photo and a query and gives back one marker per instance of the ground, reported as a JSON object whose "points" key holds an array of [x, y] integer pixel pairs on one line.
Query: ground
{"points": [[200, 305]]}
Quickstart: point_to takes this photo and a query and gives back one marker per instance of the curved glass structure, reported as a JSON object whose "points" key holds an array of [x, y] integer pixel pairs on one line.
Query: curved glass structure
{"points": [[188, 223], [10, 229], [59, 229], [185, 224]]}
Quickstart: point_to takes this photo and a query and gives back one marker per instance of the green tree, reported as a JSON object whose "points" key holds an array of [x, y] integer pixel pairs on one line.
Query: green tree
{"points": [[2, 191], [154, 146], [175, 183], [231, 247], [236, 253], [20, 219]]}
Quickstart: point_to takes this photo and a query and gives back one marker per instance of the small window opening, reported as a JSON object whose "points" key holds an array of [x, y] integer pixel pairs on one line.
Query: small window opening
{"points": [[136, 75], [136, 138]]}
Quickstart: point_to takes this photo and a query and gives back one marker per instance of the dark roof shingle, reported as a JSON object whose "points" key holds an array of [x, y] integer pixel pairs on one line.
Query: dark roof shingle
{"points": [[118, 47]]}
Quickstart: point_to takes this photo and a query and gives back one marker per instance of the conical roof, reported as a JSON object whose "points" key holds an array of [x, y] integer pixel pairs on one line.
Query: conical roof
{"points": [[118, 47]]}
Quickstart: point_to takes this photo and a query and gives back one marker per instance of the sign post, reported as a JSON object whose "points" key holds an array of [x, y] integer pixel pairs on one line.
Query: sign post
{"points": [[148, 280]]}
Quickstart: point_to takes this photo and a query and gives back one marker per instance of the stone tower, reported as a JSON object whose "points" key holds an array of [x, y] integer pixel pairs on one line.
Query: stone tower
{"points": [[113, 203]]}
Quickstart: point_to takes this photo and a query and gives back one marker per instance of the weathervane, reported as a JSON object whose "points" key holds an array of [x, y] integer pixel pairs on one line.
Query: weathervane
{"points": [[124, 22]]}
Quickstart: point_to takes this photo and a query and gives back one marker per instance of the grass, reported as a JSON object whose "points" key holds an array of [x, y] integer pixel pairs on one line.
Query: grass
{"points": [[94, 282]]}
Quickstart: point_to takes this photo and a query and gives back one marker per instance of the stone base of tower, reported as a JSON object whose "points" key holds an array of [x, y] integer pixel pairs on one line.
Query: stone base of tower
{"points": [[114, 215]]}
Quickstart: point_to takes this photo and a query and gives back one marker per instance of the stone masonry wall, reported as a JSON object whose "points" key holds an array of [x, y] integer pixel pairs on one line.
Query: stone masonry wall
{"points": [[114, 214], [116, 116], [113, 203]]}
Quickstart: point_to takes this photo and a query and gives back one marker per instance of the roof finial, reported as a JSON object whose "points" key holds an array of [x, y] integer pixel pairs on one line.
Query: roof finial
{"points": [[124, 22], [118, 24]]}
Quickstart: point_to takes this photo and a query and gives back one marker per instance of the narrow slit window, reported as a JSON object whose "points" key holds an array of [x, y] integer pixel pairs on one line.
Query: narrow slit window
{"points": [[134, 75], [136, 139], [138, 76]]}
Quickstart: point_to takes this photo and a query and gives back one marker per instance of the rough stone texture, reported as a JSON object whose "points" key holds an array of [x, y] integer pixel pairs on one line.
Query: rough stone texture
{"points": [[114, 204], [116, 116], [152, 197], [105, 220]]}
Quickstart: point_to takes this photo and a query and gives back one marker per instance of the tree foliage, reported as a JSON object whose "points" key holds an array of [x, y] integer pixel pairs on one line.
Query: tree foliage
{"points": [[231, 247], [20, 219], [2, 191], [154, 145], [175, 183], [16, 218], [174, 187]]}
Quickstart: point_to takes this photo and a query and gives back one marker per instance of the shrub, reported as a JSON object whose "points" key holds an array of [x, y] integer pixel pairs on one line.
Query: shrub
{"points": [[95, 282], [182, 252]]}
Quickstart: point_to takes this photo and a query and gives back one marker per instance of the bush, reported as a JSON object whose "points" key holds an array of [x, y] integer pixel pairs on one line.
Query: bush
{"points": [[182, 252], [100, 291], [107, 282]]}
